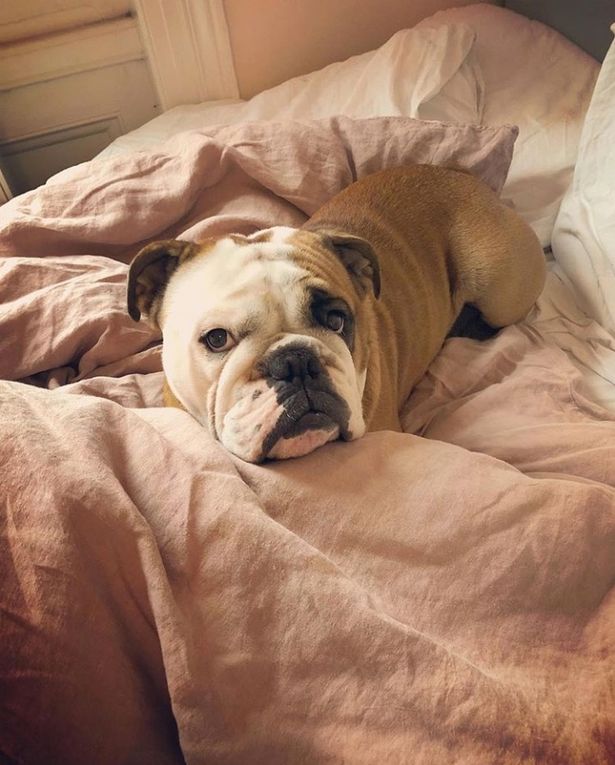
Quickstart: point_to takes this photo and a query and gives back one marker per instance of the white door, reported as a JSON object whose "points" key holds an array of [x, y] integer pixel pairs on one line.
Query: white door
{"points": [[75, 74], [72, 78]]}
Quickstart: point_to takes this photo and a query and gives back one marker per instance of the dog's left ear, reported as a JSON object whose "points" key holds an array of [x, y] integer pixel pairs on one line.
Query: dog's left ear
{"points": [[149, 274], [358, 257]]}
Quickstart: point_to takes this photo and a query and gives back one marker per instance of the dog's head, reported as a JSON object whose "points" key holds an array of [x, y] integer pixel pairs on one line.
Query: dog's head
{"points": [[261, 334]]}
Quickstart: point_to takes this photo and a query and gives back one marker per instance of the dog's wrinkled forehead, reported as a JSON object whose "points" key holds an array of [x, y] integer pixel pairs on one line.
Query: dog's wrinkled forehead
{"points": [[178, 278], [254, 274]]}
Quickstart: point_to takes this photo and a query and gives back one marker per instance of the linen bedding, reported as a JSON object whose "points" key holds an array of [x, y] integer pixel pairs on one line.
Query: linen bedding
{"points": [[439, 596]]}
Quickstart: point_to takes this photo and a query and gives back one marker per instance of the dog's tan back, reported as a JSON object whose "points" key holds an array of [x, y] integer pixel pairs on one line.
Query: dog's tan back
{"points": [[443, 239]]}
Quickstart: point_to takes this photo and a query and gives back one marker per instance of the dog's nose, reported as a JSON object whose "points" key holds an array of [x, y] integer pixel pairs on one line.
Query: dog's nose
{"points": [[293, 364]]}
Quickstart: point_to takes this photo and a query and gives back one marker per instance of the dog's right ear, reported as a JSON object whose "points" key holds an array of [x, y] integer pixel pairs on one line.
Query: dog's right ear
{"points": [[358, 257], [149, 274]]}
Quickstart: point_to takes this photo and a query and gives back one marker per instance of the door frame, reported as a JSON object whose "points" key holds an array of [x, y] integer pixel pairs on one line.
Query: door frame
{"points": [[189, 50]]}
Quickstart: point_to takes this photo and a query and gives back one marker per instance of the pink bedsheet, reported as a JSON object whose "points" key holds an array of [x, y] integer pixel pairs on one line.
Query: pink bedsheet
{"points": [[400, 599]]}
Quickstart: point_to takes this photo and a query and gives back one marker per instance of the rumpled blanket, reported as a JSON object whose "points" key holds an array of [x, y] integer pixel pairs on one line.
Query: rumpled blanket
{"points": [[443, 595]]}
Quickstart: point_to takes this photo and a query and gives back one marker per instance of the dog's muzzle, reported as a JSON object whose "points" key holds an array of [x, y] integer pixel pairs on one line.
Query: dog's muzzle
{"points": [[304, 389]]}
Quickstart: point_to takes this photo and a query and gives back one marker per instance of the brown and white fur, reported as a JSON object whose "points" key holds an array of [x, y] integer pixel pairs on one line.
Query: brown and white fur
{"points": [[393, 258]]}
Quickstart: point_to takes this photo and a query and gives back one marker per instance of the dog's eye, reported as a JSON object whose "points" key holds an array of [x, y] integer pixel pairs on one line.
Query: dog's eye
{"points": [[335, 321], [217, 340]]}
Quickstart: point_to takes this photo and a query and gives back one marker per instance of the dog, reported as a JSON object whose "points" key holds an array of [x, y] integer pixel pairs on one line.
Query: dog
{"points": [[284, 340]]}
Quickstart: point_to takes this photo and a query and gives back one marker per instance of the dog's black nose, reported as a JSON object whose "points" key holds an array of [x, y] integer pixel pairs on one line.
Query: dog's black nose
{"points": [[293, 364]]}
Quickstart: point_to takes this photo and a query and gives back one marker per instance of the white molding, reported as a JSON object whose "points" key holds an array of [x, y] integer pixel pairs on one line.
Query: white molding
{"points": [[58, 55], [31, 161], [47, 128], [109, 124], [189, 50]]}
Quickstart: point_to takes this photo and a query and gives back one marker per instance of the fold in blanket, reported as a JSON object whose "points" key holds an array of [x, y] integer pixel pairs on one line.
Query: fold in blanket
{"points": [[399, 599], [236, 178]]}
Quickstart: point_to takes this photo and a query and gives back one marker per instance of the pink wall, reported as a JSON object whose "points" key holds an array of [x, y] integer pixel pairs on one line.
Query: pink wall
{"points": [[273, 40]]}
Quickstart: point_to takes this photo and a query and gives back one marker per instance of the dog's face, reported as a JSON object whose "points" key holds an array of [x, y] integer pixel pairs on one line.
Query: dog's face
{"points": [[261, 334]]}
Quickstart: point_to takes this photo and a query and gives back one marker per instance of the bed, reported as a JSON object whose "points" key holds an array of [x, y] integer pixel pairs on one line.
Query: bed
{"points": [[442, 595]]}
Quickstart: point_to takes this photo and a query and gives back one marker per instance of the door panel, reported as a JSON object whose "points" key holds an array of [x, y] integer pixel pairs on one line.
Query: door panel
{"points": [[65, 96], [31, 161]]}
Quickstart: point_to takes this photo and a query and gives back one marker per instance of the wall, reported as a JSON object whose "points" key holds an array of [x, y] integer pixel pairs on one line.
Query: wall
{"points": [[273, 40], [586, 24]]}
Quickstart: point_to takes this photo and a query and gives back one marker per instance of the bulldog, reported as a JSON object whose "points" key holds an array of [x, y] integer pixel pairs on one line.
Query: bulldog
{"points": [[284, 340]]}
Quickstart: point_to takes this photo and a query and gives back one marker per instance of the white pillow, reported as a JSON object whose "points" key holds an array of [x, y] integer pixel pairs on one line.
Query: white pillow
{"points": [[426, 73], [584, 234], [401, 78], [535, 78]]}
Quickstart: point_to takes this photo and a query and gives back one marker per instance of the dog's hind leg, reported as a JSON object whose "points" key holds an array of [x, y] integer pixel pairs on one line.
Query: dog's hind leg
{"points": [[470, 323], [504, 266]]}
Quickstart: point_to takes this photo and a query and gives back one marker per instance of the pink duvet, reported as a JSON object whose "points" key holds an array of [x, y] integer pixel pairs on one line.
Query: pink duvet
{"points": [[441, 596]]}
